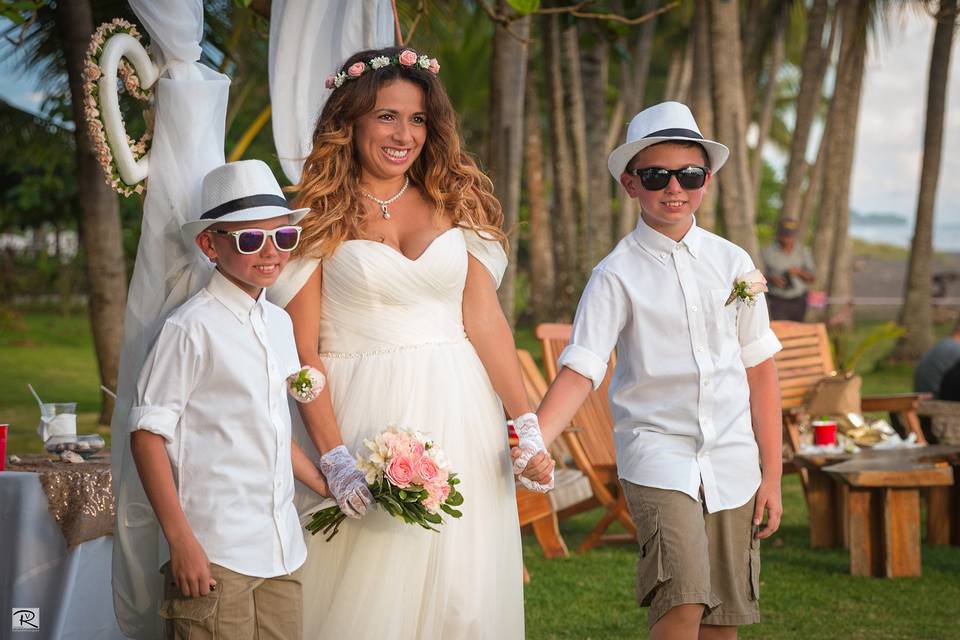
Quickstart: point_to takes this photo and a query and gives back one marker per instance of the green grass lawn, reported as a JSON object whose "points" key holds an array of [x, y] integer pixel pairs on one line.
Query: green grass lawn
{"points": [[806, 594]]}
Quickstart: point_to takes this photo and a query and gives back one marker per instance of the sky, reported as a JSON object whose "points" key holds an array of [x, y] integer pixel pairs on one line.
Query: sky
{"points": [[889, 148], [886, 172]]}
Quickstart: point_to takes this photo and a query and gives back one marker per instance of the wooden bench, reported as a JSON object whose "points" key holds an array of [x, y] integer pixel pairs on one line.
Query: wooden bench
{"points": [[883, 505]]}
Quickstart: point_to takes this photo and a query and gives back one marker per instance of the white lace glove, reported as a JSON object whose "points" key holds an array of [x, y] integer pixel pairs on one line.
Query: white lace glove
{"points": [[530, 444], [347, 483]]}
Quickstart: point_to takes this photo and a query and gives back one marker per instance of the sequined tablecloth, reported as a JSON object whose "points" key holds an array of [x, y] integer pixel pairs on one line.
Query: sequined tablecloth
{"points": [[79, 495]]}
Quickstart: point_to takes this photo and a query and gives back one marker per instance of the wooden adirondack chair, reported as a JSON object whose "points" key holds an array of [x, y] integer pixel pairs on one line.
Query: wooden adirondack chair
{"points": [[591, 442], [804, 360]]}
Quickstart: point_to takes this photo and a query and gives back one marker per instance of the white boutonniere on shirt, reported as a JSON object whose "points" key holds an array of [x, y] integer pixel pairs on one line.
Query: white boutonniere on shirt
{"points": [[746, 288]]}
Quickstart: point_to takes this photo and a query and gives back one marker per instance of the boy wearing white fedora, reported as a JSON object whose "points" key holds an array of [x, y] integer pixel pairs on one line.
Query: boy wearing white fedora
{"points": [[694, 394], [210, 426]]}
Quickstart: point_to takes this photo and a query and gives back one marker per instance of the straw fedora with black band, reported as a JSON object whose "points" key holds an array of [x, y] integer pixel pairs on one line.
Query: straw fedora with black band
{"points": [[662, 123], [240, 191]]}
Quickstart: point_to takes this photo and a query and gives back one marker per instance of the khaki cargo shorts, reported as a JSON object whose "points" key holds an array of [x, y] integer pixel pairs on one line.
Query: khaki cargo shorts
{"points": [[689, 556], [240, 608]]}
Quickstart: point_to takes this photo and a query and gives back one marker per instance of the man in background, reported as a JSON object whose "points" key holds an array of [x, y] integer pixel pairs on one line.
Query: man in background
{"points": [[789, 270]]}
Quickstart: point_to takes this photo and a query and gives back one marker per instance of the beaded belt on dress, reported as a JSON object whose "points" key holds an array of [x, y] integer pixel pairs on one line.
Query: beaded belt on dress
{"points": [[379, 352]]}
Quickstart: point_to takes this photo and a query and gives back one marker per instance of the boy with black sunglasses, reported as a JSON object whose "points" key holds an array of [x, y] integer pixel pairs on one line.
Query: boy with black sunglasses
{"points": [[210, 426], [694, 395]]}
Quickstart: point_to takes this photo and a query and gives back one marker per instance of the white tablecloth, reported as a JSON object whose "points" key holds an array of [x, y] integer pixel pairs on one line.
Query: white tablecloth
{"points": [[71, 588]]}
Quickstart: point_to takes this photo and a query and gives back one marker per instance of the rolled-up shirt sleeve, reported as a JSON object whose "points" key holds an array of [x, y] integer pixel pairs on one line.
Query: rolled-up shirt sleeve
{"points": [[165, 383], [757, 340], [601, 316]]}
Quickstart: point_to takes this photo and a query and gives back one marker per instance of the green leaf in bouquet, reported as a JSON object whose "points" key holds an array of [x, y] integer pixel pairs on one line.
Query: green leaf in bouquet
{"points": [[453, 479], [403, 495], [455, 499], [451, 511], [433, 518]]}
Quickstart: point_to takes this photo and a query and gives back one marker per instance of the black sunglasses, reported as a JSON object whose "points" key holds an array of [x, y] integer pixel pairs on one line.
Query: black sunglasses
{"points": [[250, 241], [657, 178]]}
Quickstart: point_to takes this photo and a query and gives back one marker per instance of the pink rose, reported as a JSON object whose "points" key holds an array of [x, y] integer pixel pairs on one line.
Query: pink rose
{"points": [[356, 69], [408, 58], [427, 469], [330, 82], [434, 66], [400, 471], [416, 448]]}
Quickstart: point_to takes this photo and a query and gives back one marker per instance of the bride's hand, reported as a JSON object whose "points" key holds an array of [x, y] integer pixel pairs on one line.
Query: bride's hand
{"points": [[346, 483], [539, 468]]}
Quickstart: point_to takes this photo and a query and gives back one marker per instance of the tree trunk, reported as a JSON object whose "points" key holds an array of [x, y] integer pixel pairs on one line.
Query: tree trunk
{"points": [[635, 75], [506, 138], [916, 315], [777, 54], [730, 113], [752, 52], [840, 164], [596, 223], [807, 105], [564, 227], [542, 294], [99, 212], [576, 111], [701, 103]]}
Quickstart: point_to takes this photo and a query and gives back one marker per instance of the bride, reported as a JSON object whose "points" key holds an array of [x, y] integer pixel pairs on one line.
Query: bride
{"points": [[400, 261]]}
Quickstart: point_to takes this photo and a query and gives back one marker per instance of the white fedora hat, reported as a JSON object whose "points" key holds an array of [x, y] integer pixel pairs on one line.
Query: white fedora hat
{"points": [[661, 123], [240, 191]]}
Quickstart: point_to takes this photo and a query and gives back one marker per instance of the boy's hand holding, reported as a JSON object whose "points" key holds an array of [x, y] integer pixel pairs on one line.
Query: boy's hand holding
{"points": [[347, 484], [190, 567], [539, 476], [768, 498]]}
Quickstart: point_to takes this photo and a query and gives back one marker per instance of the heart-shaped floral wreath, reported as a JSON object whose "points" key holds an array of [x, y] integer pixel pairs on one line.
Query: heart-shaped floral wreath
{"points": [[97, 125]]}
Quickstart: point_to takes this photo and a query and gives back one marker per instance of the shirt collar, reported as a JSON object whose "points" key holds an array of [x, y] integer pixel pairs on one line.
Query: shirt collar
{"points": [[237, 301], [660, 246]]}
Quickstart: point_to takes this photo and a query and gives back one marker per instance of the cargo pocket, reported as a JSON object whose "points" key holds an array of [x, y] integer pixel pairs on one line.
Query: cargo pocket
{"points": [[754, 568], [650, 572], [181, 612]]}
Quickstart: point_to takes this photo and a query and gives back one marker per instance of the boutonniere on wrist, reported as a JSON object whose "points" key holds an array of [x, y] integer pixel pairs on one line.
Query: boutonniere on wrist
{"points": [[305, 385], [746, 288]]}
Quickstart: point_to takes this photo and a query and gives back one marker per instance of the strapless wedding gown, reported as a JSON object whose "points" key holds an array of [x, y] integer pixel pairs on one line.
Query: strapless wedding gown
{"points": [[393, 343]]}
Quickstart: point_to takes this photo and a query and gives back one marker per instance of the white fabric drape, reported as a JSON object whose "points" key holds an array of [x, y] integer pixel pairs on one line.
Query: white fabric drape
{"points": [[308, 41], [191, 105]]}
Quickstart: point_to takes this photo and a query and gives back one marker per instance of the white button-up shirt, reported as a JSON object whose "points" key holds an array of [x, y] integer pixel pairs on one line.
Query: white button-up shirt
{"points": [[679, 394], [214, 387]]}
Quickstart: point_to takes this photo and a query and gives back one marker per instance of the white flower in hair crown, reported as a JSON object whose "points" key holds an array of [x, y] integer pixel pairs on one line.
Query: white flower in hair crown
{"points": [[746, 288], [406, 58], [94, 107]]}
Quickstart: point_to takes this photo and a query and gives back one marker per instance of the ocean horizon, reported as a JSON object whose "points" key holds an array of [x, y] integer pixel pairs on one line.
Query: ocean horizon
{"points": [[946, 235]]}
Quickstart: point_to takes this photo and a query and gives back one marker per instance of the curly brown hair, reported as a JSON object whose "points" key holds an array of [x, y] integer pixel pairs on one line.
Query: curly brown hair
{"points": [[447, 176]]}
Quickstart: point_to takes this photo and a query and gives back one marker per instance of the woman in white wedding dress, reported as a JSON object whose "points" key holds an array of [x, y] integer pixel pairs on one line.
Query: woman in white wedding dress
{"points": [[401, 258]]}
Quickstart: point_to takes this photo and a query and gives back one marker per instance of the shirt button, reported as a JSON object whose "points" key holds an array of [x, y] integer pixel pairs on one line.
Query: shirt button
{"points": [[706, 383], [663, 255], [693, 308], [700, 348]]}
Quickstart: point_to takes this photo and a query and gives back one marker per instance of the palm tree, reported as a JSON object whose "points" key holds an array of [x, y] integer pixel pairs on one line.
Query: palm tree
{"points": [[808, 98], [915, 315], [56, 43], [701, 102], [730, 118], [564, 226], [506, 135], [541, 252]]}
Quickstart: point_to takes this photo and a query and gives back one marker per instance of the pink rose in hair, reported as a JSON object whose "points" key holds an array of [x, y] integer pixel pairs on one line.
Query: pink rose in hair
{"points": [[408, 58], [330, 82], [434, 66], [356, 69], [427, 469], [400, 471]]}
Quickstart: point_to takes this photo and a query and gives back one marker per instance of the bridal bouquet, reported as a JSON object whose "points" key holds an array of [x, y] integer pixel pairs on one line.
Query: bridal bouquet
{"points": [[409, 478]]}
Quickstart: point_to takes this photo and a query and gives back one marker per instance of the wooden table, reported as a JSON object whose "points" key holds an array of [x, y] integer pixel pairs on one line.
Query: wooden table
{"points": [[883, 505]]}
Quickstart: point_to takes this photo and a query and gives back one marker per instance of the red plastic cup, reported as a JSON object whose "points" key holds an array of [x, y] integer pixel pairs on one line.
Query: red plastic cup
{"points": [[3, 446], [824, 432]]}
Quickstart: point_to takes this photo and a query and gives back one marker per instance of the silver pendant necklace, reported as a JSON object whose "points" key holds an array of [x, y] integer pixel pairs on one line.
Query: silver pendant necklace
{"points": [[383, 203]]}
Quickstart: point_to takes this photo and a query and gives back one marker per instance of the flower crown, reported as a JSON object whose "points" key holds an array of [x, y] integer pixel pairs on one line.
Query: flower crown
{"points": [[406, 58]]}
